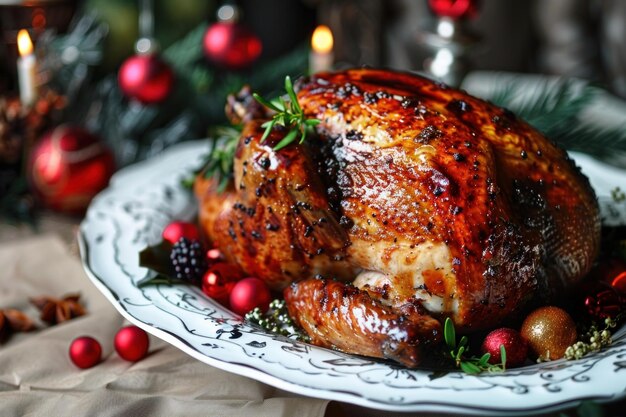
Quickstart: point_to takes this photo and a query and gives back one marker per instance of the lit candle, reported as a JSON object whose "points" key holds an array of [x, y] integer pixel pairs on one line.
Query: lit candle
{"points": [[26, 68], [321, 57]]}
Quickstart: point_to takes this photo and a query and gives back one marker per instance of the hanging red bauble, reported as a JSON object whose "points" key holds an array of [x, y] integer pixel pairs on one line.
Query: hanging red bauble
{"points": [[131, 343], [175, 230], [85, 352], [549, 331], [248, 294], [214, 255], [219, 280], [454, 9], [68, 167], [146, 78], [231, 45], [514, 344]]}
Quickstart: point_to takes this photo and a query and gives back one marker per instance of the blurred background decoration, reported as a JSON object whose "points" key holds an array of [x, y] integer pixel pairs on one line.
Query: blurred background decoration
{"points": [[93, 77]]}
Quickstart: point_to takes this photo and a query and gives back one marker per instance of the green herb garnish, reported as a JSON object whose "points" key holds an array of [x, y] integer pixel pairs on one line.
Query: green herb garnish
{"points": [[288, 114], [458, 351]]}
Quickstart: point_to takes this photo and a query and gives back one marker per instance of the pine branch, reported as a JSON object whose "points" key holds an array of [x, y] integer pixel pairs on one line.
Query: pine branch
{"points": [[557, 111]]}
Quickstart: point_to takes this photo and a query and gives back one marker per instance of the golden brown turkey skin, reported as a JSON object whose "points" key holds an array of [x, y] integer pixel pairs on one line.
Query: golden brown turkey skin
{"points": [[433, 197], [340, 316]]}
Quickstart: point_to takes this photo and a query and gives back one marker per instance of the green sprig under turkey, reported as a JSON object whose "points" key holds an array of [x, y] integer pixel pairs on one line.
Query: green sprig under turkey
{"points": [[288, 114], [458, 351]]}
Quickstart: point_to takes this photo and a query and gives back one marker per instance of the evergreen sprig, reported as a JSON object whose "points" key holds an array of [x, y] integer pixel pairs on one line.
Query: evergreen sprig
{"points": [[288, 114], [557, 110], [458, 351]]}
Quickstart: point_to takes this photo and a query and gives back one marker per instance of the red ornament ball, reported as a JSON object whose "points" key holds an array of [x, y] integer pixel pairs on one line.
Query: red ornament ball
{"points": [[219, 281], [214, 255], [85, 352], [454, 9], [146, 78], [175, 230], [131, 343], [248, 294], [549, 331], [68, 167], [231, 45], [605, 302], [516, 347]]}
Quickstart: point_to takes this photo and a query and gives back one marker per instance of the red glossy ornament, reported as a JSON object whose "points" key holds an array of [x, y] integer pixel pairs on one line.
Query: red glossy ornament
{"points": [[248, 294], [516, 347], [146, 78], [68, 167], [175, 230], [85, 352], [604, 303], [231, 45], [219, 280], [131, 343], [454, 9], [214, 255]]}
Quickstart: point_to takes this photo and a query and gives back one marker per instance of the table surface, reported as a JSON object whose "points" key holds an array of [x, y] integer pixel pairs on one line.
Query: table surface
{"points": [[66, 227]]}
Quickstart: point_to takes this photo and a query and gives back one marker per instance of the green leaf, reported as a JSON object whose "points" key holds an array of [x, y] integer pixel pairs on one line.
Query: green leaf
{"points": [[484, 360], [449, 333], [268, 130], [470, 368], [590, 409], [157, 257], [266, 103], [463, 341], [503, 356], [290, 137], [292, 95]]}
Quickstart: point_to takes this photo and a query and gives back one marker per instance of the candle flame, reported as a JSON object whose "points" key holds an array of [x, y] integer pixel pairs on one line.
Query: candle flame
{"points": [[24, 44], [322, 40]]}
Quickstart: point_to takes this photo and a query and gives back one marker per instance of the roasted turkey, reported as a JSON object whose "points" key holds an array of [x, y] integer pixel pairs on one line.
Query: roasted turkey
{"points": [[414, 202]]}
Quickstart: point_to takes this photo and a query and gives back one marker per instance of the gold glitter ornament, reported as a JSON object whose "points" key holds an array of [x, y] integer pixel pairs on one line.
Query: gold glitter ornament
{"points": [[549, 331]]}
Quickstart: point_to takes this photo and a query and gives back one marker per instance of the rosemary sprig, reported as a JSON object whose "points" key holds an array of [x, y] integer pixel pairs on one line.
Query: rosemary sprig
{"points": [[288, 114], [219, 160], [470, 365]]}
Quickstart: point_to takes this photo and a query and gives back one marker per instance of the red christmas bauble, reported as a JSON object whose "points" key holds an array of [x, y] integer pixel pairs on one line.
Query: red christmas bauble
{"points": [[231, 45], [85, 352], [219, 280], [619, 283], [454, 9], [146, 78], [248, 294], [175, 230], [68, 167], [605, 302], [131, 343], [516, 347], [214, 255]]}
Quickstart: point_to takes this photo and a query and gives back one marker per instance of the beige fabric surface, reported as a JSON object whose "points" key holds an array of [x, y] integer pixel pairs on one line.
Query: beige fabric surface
{"points": [[38, 379]]}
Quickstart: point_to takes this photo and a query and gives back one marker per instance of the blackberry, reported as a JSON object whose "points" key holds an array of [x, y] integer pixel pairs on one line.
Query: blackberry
{"points": [[188, 260]]}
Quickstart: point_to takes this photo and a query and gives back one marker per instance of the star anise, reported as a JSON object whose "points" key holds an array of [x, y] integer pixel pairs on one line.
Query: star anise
{"points": [[55, 310], [12, 320]]}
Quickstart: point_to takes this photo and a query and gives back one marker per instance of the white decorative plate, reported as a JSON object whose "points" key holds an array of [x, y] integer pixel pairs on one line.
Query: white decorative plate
{"points": [[142, 199]]}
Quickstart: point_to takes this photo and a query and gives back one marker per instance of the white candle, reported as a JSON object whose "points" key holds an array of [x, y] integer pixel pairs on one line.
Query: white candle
{"points": [[26, 68], [321, 56]]}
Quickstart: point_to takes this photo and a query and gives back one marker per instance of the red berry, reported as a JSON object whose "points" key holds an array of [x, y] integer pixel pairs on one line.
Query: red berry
{"points": [[248, 294], [131, 343], [516, 347], [85, 352], [214, 255], [219, 281], [175, 230]]}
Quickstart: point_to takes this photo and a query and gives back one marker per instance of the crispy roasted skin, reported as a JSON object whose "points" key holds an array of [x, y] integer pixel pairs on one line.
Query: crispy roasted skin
{"points": [[440, 199], [340, 316]]}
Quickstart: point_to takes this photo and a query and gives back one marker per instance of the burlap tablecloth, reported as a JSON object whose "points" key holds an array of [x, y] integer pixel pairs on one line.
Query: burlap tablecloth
{"points": [[38, 379]]}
